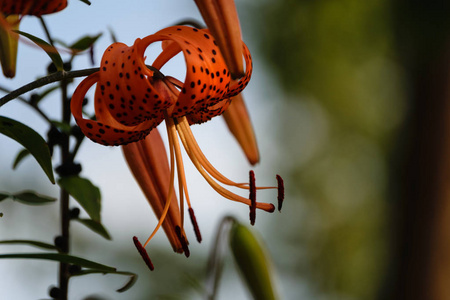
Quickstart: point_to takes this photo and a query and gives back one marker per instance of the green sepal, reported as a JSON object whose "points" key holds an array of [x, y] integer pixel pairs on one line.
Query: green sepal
{"points": [[31, 141], [95, 226], [85, 193], [253, 262], [64, 258], [49, 49]]}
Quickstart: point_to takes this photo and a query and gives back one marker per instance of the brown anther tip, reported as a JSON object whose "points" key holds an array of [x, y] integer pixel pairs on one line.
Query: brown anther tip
{"points": [[280, 192], [143, 253], [252, 197], [198, 235], [183, 241]]}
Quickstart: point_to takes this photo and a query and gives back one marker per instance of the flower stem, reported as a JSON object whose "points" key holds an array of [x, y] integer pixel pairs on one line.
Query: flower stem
{"points": [[66, 157]]}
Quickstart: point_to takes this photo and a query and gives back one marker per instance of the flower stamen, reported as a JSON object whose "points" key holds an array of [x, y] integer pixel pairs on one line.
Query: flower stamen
{"points": [[143, 253], [252, 197], [280, 197]]}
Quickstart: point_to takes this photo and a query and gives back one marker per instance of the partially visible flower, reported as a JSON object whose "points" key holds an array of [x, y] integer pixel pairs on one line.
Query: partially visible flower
{"points": [[222, 20], [8, 45], [31, 7], [131, 100], [11, 12]]}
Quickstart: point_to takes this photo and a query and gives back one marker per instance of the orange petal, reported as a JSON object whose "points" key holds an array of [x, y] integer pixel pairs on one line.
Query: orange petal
{"points": [[222, 20], [238, 122], [147, 160], [31, 7]]}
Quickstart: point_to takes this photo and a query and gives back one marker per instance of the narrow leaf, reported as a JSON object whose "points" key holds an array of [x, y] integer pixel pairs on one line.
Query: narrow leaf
{"points": [[20, 156], [95, 226], [128, 285], [251, 258], [49, 49], [32, 198], [86, 1], [64, 258], [84, 43], [31, 243], [31, 140], [87, 194]]}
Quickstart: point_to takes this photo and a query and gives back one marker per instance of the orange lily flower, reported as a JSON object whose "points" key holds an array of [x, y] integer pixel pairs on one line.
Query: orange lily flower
{"points": [[132, 99], [10, 16]]}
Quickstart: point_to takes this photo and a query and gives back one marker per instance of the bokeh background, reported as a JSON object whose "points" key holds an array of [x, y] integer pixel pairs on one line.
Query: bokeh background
{"points": [[335, 99]]}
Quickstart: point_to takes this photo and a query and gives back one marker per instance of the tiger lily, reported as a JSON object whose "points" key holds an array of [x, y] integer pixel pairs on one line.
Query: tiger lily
{"points": [[131, 99], [10, 16]]}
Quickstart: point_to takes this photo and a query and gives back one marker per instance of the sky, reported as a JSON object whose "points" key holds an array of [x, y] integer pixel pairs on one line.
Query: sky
{"points": [[124, 209]]}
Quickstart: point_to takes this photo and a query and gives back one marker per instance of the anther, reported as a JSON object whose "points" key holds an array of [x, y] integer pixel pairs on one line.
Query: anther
{"points": [[198, 235], [182, 241], [280, 192], [252, 197], [143, 253]]}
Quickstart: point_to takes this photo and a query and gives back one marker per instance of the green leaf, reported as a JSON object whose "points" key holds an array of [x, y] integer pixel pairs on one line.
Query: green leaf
{"points": [[95, 226], [62, 126], [49, 49], [128, 285], [32, 198], [64, 258], [250, 256], [20, 156], [31, 140], [87, 194], [86, 1], [31, 243], [84, 43]]}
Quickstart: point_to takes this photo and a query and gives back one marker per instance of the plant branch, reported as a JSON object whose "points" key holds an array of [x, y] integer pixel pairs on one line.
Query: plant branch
{"points": [[54, 77], [35, 107]]}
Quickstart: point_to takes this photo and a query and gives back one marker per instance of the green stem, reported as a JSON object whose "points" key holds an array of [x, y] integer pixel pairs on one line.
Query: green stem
{"points": [[35, 107], [64, 274], [54, 77]]}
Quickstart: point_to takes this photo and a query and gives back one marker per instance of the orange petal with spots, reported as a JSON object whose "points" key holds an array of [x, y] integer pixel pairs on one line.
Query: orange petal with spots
{"points": [[105, 130]]}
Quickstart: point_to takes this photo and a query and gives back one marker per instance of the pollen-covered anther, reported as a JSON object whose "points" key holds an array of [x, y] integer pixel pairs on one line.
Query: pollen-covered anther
{"points": [[143, 253], [280, 192], [198, 235], [252, 197], [183, 241]]}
